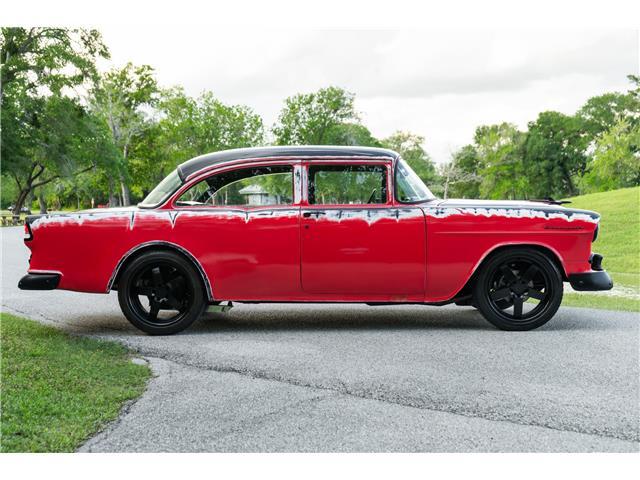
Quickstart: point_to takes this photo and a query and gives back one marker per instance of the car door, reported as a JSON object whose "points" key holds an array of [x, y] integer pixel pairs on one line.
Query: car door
{"points": [[242, 223], [355, 242]]}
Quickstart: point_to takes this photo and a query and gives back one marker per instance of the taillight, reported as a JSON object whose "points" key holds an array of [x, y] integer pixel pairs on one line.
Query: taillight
{"points": [[28, 234]]}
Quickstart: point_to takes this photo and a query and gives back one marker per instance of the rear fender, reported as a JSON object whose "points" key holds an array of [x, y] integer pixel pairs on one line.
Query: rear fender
{"points": [[143, 247]]}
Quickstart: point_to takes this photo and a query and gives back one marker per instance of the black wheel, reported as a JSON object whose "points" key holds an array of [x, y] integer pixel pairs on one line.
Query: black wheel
{"points": [[518, 289], [161, 293]]}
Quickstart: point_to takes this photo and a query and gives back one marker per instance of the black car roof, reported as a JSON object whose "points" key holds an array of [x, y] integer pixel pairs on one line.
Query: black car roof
{"points": [[196, 164]]}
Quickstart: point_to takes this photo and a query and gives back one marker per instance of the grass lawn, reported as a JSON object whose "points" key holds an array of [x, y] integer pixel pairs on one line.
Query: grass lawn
{"points": [[57, 389], [619, 242], [606, 302]]}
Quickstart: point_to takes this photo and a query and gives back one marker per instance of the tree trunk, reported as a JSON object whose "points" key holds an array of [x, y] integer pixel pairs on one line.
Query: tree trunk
{"points": [[113, 202], [126, 200], [29, 199], [572, 188], [34, 182], [445, 194], [20, 201], [42, 202]]}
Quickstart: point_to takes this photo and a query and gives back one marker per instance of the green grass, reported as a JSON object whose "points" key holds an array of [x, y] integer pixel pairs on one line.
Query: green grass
{"points": [[606, 302], [619, 242], [619, 237], [57, 389]]}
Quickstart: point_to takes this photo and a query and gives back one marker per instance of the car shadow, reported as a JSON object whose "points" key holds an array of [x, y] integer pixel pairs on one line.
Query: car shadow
{"points": [[281, 317], [334, 317], [296, 317]]}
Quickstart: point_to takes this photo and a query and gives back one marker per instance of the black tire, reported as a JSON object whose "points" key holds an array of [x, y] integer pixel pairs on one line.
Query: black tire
{"points": [[518, 289], [173, 289]]}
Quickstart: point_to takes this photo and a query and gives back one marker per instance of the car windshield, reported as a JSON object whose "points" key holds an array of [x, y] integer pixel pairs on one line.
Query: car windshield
{"points": [[409, 187], [166, 187]]}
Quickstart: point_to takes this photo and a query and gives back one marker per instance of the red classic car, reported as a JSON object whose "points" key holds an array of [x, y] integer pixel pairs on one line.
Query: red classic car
{"points": [[315, 224]]}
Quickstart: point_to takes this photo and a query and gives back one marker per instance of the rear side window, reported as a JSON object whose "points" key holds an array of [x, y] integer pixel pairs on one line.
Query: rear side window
{"points": [[347, 184], [255, 186]]}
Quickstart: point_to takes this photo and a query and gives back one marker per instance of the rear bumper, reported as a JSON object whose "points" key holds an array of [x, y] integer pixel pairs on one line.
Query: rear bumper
{"points": [[39, 281], [591, 281]]}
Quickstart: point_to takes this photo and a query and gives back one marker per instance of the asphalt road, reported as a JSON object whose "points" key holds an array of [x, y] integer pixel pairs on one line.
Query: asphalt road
{"points": [[358, 378]]}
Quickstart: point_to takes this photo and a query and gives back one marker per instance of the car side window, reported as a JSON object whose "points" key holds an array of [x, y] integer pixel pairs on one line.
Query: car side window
{"points": [[254, 186], [347, 184]]}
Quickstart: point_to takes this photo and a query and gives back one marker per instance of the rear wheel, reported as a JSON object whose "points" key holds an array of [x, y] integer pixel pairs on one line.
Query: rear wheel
{"points": [[161, 293], [518, 289]]}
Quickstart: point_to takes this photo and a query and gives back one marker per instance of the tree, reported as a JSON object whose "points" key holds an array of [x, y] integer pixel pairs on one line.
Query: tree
{"points": [[411, 149], [461, 176], [58, 142], [352, 134], [221, 127], [186, 127], [635, 91], [8, 191], [193, 126], [39, 66], [499, 150], [48, 57], [148, 161], [122, 98], [602, 112], [616, 159], [310, 118], [554, 154]]}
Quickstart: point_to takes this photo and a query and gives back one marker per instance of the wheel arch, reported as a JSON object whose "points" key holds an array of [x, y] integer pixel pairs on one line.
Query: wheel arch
{"points": [[546, 250], [158, 245]]}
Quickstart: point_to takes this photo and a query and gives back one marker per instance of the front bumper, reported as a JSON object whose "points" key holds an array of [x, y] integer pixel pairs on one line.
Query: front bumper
{"points": [[39, 281], [596, 279], [591, 281]]}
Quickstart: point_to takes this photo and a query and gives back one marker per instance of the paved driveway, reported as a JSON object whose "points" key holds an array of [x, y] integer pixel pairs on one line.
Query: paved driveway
{"points": [[357, 378]]}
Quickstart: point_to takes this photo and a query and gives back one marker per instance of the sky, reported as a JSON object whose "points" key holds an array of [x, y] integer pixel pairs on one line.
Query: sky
{"points": [[440, 84]]}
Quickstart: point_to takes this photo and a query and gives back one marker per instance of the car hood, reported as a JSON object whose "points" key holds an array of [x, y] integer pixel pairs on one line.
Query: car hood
{"points": [[536, 206], [470, 203]]}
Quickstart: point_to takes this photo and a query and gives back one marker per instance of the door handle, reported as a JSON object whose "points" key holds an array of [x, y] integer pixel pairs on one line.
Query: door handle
{"points": [[317, 213]]}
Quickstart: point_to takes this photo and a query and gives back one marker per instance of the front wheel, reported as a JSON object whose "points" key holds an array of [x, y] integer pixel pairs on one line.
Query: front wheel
{"points": [[161, 293], [518, 289]]}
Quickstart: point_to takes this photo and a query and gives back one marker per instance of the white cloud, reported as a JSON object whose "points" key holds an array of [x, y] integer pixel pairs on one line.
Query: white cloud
{"points": [[438, 83]]}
